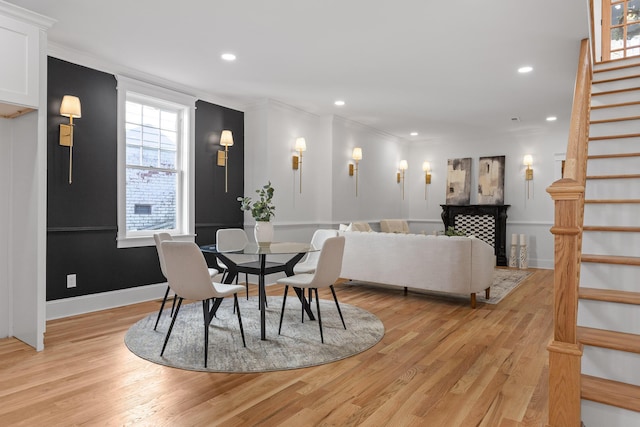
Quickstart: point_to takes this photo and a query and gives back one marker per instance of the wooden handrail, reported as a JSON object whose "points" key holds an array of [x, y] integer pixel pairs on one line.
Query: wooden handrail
{"points": [[565, 352]]}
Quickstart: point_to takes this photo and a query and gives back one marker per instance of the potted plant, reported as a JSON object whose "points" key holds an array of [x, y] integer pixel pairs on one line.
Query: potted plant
{"points": [[262, 210]]}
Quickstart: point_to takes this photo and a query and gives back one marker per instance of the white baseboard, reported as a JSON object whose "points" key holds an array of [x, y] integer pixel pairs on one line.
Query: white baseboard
{"points": [[66, 307]]}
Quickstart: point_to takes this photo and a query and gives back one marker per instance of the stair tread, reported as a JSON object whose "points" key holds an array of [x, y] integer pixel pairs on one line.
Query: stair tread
{"points": [[604, 137], [615, 228], [610, 392], [615, 119], [621, 176], [614, 91], [631, 201], [609, 295], [613, 340], [616, 79], [612, 155], [597, 70], [611, 259], [620, 104]]}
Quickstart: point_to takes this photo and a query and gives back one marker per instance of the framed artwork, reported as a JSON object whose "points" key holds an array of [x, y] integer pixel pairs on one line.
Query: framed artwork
{"points": [[491, 180], [459, 181]]}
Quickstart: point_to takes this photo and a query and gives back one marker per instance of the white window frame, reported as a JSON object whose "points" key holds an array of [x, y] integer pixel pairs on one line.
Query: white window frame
{"points": [[185, 203]]}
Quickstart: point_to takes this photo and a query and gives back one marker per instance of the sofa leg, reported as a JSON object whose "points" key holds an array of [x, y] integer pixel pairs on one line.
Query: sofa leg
{"points": [[405, 291], [487, 293], [473, 300]]}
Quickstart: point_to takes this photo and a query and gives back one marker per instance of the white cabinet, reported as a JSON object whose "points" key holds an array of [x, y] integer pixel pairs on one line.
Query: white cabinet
{"points": [[19, 50]]}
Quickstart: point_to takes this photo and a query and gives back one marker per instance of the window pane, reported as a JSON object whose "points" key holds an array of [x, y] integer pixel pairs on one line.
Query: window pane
{"points": [[150, 137], [156, 189], [150, 116], [134, 134], [633, 10], [617, 39], [633, 35], [168, 159], [134, 113], [149, 157], [168, 140], [133, 155], [169, 120]]}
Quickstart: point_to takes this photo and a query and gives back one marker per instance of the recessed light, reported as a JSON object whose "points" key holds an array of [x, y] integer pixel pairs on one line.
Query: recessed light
{"points": [[552, 118], [228, 56], [339, 103], [414, 134], [525, 69]]}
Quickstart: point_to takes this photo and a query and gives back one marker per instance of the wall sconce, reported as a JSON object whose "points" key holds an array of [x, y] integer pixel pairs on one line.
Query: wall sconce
{"points": [[70, 107], [301, 145], [528, 174], [426, 167], [403, 167], [356, 156], [226, 140]]}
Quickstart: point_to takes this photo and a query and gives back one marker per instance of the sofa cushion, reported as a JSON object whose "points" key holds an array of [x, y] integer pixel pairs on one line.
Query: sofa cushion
{"points": [[394, 226]]}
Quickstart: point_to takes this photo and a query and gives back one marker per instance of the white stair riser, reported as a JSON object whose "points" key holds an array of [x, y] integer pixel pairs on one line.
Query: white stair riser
{"points": [[615, 98], [614, 146], [632, 60], [611, 364], [615, 85], [627, 188], [613, 166], [610, 276], [610, 316], [608, 243], [614, 128], [611, 214], [595, 414], [615, 73], [615, 112]]}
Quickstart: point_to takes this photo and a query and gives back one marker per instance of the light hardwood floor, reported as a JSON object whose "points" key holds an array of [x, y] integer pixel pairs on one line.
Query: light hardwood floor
{"points": [[440, 363]]}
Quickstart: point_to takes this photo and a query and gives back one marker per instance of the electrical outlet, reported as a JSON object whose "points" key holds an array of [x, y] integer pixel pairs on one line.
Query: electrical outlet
{"points": [[71, 280]]}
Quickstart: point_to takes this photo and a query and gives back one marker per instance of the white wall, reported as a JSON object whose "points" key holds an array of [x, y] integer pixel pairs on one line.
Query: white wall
{"points": [[328, 195], [5, 225]]}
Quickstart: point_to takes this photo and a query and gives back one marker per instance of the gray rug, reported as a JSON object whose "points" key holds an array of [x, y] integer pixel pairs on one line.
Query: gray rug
{"points": [[298, 346]]}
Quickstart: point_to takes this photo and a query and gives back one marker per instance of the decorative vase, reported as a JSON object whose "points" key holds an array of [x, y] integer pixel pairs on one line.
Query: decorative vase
{"points": [[513, 254], [524, 256], [263, 232]]}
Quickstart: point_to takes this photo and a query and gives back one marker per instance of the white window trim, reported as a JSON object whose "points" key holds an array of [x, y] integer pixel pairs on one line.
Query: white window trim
{"points": [[186, 216]]}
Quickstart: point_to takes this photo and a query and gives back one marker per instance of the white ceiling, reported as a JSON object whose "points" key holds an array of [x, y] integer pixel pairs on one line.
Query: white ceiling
{"points": [[441, 68]]}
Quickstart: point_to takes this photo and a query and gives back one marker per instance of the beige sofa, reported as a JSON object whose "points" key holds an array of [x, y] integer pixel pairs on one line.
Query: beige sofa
{"points": [[458, 265]]}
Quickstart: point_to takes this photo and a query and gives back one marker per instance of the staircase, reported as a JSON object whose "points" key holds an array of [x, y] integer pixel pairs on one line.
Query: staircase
{"points": [[609, 275]]}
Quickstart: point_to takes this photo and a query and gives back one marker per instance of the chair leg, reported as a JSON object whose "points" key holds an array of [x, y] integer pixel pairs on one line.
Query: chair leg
{"points": [[205, 315], [166, 295], [173, 304], [173, 320], [237, 306], [319, 316], [284, 301], [335, 298], [246, 284]]}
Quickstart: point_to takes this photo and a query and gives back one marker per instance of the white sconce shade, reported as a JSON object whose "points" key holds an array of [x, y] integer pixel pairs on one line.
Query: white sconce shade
{"points": [[70, 107], [301, 144], [403, 165], [426, 167], [357, 154], [226, 139], [528, 160]]}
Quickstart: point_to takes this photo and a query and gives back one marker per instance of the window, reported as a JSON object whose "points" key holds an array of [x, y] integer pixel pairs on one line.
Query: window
{"points": [[155, 163], [620, 28]]}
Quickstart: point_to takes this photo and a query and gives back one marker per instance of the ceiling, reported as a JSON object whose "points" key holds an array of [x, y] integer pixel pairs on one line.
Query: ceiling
{"points": [[440, 68]]}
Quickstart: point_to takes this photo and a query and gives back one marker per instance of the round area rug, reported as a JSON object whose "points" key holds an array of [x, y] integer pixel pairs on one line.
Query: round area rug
{"points": [[298, 346]]}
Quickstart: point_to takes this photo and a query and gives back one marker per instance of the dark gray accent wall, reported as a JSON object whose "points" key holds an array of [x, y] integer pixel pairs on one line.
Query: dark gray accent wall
{"points": [[82, 216]]}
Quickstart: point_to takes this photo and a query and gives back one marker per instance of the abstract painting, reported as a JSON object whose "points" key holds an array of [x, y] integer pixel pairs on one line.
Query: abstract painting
{"points": [[459, 181], [491, 180]]}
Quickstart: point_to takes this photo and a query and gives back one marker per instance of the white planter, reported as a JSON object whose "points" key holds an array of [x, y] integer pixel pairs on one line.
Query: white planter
{"points": [[263, 232]]}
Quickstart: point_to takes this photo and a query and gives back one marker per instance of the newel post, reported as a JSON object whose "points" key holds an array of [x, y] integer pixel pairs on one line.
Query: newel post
{"points": [[565, 352]]}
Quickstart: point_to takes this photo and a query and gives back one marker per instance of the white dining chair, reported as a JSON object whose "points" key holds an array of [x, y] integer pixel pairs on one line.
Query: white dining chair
{"points": [[189, 278], [159, 238], [325, 275], [308, 265]]}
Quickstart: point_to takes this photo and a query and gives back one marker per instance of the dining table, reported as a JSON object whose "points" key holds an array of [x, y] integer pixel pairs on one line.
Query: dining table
{"points": [[295, 251]]}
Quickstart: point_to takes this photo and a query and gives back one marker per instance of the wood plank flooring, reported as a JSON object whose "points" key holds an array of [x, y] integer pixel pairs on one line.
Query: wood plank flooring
{"points": [[440, 363]]}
